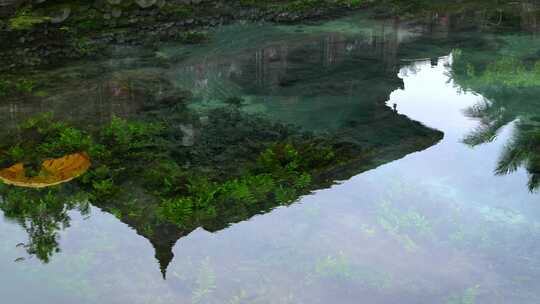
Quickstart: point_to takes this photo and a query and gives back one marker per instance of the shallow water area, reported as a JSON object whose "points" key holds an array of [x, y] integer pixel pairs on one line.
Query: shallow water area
{"points": [[431, 219]]}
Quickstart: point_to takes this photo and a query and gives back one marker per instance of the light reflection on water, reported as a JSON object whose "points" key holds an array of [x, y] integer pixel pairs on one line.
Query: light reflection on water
{"points": [[436, 226]]}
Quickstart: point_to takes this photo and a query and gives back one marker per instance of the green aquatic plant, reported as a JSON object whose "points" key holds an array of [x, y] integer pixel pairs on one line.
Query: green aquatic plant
{"points": [[241, 297], [402, 224], [468, 297], [205, 283], [340, 267]]}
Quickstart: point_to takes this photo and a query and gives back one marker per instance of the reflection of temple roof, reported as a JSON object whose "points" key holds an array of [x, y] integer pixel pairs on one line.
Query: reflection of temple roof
{"points": [[368, 123], [402, 137], [164, 254]]}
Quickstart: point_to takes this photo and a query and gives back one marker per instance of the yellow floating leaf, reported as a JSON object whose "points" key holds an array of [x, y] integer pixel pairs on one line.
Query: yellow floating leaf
{"points": [[53, 172]]}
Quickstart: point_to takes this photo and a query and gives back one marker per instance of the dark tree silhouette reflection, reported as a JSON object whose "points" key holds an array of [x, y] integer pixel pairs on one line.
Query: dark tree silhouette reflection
{"points": [[509, 80], [42, 214], [523, 150]]}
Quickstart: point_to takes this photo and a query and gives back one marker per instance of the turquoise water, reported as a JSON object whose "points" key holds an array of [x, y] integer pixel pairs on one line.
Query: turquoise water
{"points": [[431, 226]]}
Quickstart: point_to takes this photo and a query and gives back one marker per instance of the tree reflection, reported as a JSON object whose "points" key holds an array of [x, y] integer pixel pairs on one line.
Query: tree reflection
{"points": [[42, 214], [523, 150], [506, 72]]}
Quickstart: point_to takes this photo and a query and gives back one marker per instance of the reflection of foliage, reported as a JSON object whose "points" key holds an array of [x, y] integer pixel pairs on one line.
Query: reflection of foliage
{"points": [[523, 151], [42, 214], [282, 172], [506, 72], [509, 80], [233, 166]]}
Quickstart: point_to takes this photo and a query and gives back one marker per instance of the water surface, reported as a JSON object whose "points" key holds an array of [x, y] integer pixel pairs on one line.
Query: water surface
{"points": [[432, 226]]}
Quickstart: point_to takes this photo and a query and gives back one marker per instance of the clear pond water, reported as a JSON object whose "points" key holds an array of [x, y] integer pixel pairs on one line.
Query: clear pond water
{"points": [[456, 222]]}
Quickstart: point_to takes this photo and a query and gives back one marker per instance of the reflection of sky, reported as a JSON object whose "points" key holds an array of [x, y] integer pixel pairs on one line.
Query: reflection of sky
{"points": [[430, 97], [459, 228]]}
